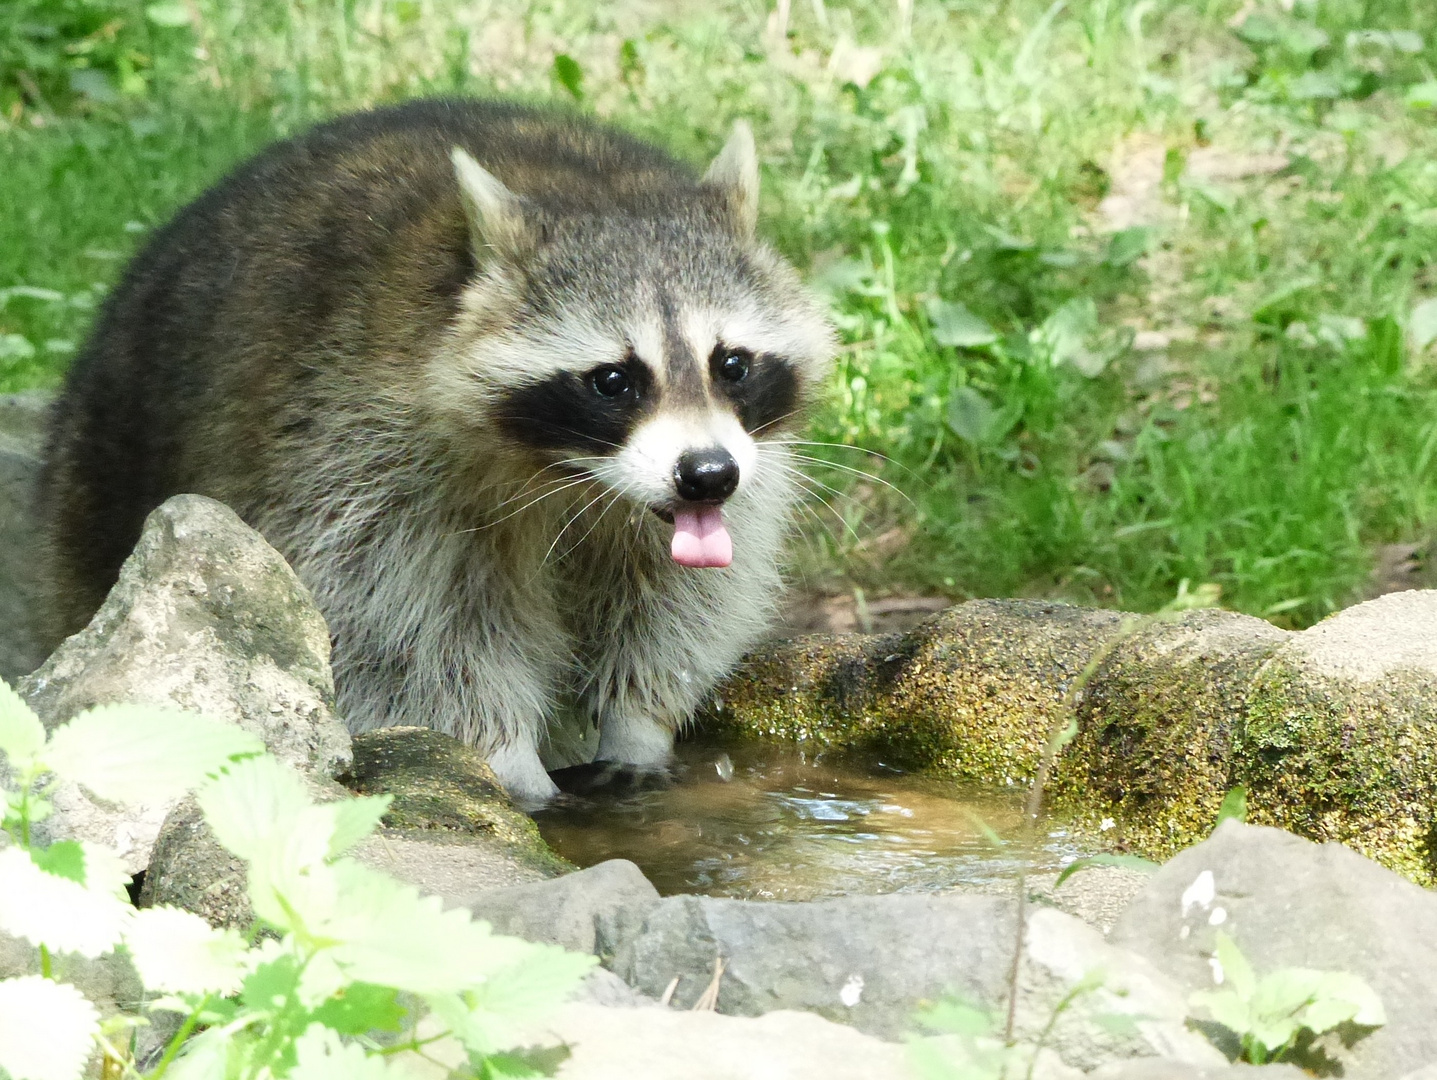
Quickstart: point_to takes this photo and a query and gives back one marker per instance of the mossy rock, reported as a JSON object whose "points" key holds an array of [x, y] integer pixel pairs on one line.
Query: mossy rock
{"points": [[443, 786], [1333, 730]]}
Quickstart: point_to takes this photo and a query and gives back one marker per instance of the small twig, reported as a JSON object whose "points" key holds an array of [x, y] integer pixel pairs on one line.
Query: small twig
{"points": [[668, 994], [708, 1000]]}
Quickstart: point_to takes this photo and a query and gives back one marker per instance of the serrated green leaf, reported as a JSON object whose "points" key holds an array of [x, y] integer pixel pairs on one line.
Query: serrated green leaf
{"points": [[525, 1064], [541, 980], [1130, 862], [1235, 967], [253, 802], [47, 1029], [1234, 805], [954, 325], [178, 952], [361, 1008], [62, 914], [267, 987], [320, 1054], [950, 1016], [354, 819], [21, 733], [141, 754], [64, 858]]}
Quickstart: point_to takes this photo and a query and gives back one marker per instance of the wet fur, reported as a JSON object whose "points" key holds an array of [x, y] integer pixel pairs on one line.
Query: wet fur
{"points": [[328, 343]]}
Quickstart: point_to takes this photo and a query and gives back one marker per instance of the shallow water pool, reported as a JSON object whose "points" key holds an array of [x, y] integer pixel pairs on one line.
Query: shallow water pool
{"points": [[771, 822]]}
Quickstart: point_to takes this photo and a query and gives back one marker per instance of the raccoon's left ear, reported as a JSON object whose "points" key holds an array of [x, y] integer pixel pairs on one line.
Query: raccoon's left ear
{"points": [[496, 215], [735, 173]]}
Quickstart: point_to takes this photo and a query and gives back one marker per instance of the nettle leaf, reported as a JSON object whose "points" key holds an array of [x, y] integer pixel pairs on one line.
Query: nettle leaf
{"points": [[361, 1008], [252, 802], [320, 1054], [387, 933], [140, 754], [522, 1064], [178, 952], [955, 325], [65, 858], [60, 913], [271, 984], [538, 983], [354, 819], [47, 1029], [21, 733]]}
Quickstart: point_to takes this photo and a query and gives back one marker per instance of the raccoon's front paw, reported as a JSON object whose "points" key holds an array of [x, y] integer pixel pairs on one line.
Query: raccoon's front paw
{"points": [[612, 778]]}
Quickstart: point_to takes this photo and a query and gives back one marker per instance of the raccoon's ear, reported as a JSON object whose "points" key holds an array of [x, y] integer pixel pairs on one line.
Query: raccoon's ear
{"points": [[496, 216], [735, 173]]}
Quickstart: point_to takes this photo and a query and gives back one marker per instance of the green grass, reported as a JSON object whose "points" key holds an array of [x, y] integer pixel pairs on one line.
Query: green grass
{"points": [[1000, 320]]}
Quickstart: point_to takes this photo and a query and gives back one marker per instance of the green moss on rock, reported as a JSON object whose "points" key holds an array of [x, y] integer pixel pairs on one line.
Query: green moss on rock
{"points": [[443, 786]]}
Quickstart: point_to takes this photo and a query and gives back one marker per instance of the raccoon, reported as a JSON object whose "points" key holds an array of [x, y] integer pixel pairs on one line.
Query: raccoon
{"points": [[513, 392]]}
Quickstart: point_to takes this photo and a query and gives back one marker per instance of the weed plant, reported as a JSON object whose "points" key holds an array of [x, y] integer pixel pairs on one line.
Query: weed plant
{"points": [[1130, 291]]}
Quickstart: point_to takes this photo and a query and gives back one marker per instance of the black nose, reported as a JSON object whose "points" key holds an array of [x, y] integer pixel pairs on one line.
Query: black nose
{"points": [[706, 475]]}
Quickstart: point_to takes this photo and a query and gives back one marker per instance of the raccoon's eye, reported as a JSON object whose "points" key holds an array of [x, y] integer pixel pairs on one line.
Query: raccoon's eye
{"points": [[609, 381], [733, 364]]}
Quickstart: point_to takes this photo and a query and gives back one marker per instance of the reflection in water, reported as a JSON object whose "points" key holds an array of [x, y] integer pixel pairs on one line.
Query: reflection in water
{"points": [[768, 822]]}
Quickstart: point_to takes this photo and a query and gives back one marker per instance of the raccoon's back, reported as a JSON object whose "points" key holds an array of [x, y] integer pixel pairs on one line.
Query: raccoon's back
{"points": [[327, 260]]}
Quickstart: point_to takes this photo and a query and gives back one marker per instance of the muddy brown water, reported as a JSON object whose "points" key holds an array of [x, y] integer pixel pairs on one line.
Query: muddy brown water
{"points": [[765, 822]]}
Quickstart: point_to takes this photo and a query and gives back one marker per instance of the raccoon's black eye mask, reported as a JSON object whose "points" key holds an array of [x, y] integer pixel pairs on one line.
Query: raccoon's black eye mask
{"points": [[592, 412]]}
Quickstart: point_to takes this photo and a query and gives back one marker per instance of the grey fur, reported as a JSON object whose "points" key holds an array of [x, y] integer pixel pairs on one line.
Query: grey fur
{"points": [[336, 342]]}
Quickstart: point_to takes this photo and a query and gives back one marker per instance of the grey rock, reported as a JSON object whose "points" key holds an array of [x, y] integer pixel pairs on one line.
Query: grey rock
{"points": [[592, 911], [450, 867], [189, 869], [602, 987], [21, 436], [442, 787], [1288, 902], [872, 961], [205, 616], [1427, 1072]]}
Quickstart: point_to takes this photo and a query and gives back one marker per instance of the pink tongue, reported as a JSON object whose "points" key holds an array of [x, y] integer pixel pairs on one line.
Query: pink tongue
{"points": [[700, 538]]}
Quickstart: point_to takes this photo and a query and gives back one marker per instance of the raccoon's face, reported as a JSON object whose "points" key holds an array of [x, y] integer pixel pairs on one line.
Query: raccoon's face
{"points": [[653, 354]]}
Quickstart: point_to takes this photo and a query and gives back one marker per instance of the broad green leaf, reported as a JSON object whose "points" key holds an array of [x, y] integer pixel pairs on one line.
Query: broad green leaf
{"points": [[211, 1055], [61, 914], [320, 1054], [541, 981], [178, 952], [531, 1062], [292, 886], [253, 802], [1234, 805], [21, 733], [954, 324], [65, 858], [1226, 1007], [1130, 862], [47, 1029], [1236, 970], [267, 987], [953, 1017], [971, 416], [1422, 323], [354, 819], [363, 1007], [1340, 996], [141, 754], [386, 933]]}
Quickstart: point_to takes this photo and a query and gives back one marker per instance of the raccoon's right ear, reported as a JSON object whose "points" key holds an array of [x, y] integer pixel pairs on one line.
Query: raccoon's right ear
{"points": [[735, 174], [495, 214]]}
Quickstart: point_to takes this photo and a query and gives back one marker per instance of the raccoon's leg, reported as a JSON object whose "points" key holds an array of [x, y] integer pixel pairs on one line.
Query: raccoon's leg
{"points": [[434, 629]]}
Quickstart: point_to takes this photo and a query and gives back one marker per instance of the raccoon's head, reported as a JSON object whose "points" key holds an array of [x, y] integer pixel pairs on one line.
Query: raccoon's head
{"points": [[635, 333]]}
